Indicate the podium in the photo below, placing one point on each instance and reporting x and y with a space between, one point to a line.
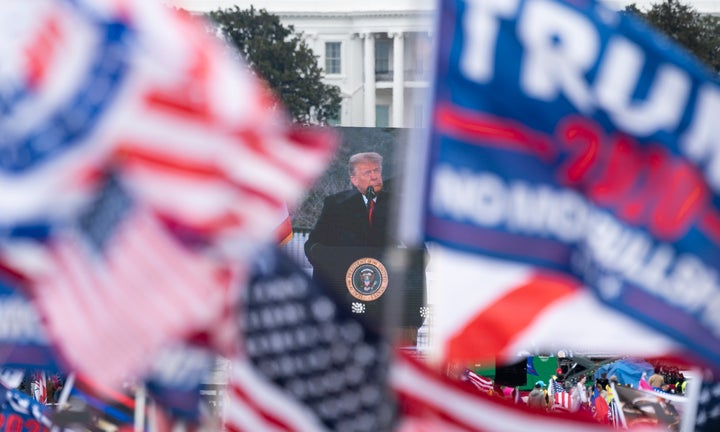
363 279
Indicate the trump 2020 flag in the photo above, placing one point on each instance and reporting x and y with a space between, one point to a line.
571 185
205 162
23 342
19 412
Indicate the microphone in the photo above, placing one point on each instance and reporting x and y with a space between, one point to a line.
370 193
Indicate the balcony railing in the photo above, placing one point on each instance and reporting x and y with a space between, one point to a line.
383 75
410 75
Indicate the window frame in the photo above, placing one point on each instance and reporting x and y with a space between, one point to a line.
333 59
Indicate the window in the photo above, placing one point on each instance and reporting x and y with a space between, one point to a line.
335 121
418 61
382 57
332 58
382 116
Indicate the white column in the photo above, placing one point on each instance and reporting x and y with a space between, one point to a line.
398 96
369 68
312 40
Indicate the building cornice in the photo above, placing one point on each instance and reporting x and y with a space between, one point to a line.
340 8
362 14
308 6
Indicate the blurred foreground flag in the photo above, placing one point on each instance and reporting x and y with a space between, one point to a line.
113 269
19 412
707 417
22 338
203 165
307 363
571 185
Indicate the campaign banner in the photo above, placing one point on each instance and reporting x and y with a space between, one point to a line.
571 138
20 413
642 407
23 341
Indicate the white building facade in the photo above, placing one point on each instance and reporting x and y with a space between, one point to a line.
378 52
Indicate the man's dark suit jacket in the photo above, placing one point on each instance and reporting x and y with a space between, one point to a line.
344 222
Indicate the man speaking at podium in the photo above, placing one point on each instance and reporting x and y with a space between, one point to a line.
356 217
347 249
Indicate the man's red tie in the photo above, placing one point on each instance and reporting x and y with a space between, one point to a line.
371 207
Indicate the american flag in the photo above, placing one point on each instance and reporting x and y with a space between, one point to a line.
561 400
560 397
482 383
307 364
707 417
38 387
556 386
119 286
207 164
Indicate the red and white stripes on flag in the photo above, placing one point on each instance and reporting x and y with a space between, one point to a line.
211 149
208 156
109 312
433 402
561 401
38 387
487 308
482 383
256 404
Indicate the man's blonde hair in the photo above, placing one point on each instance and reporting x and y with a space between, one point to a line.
363 157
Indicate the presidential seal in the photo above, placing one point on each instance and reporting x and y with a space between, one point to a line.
366 279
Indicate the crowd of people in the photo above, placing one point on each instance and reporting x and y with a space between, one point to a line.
579 396
43 388
668 380
594 395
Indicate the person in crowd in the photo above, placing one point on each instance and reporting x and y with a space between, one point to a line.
538 396
657 380
599 403
578 396
681 384
556 384
603 381
600 390
508 393
356 217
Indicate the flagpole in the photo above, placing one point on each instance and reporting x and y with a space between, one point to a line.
65 393
152 416
139 408
695 376
620 412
